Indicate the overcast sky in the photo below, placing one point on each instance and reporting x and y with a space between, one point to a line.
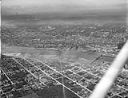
67 9
25 6
100 3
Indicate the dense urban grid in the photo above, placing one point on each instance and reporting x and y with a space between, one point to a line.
35 77
25 76
102 37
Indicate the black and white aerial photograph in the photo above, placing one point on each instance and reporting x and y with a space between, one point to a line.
64 49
